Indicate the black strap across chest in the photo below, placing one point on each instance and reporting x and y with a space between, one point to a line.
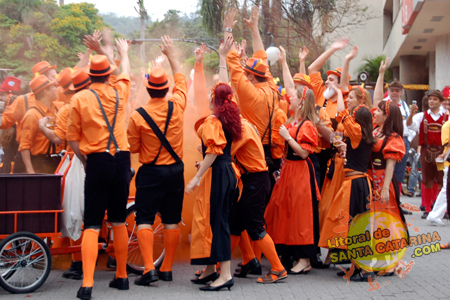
269 126
159 134
290 152
110 128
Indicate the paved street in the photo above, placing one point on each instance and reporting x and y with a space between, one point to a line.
429 278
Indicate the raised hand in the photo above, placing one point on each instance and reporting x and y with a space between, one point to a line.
122 46
167 47
80 55
158 61
340 44
200 53
93 43
384 65
254 18
226 46
229 19
352 53
282 54
303 53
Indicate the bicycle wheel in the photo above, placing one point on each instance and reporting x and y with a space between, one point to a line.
135 261
25 263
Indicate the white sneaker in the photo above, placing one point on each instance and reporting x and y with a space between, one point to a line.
436 223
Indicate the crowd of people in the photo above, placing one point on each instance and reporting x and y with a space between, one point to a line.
278 168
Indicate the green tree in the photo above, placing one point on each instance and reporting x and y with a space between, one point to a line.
372 67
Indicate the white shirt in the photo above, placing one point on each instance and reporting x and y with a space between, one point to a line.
404 110
418 118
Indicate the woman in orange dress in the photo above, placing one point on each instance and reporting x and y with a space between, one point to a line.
291 215
355 193
217 189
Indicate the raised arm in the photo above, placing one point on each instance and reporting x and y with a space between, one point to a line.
225 46
253 24
200 90
229 21
84 60
123 47
93 43
303 53
344 76
320 61
378 93
287 78
169 50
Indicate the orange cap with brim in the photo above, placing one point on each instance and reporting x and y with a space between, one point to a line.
80 79
100 66
337 72
256 66
157 79
65 79
302 79
39 83
41 67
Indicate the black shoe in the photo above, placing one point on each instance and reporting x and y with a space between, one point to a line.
84 293
405 212
75 271
252 266
111 263
227 284
342 273
358 276
210 277
165 276
422 208
425 215
147 278
120 284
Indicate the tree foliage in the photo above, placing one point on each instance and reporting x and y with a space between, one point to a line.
372 67
35 30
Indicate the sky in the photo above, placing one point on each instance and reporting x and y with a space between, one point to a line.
155 8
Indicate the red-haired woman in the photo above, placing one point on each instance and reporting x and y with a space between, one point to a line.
217 186
292 213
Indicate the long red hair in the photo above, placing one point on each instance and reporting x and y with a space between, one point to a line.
226 111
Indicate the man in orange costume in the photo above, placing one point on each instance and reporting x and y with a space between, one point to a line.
96 133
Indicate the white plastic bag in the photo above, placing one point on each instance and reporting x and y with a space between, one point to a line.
73 200
64 165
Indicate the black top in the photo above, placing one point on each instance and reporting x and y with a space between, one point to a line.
377 158
358 159
225 158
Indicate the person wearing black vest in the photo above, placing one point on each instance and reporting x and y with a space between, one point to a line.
155 131
429 125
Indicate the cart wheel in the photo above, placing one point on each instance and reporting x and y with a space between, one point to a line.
25 262
135 262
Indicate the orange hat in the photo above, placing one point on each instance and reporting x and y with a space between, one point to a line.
100 66
302 79
65 79
10 84
80 79
446 92
256 66
39 83
337 72
41 67
157 79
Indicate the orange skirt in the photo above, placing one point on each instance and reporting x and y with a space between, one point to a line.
330 188
289 214
344 207
392 206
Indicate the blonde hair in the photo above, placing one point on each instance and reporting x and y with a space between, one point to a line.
308 109
359 96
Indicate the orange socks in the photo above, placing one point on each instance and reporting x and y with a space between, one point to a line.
246 248
89 253
121 250
145 239
234 241
268 248
256 250
171 239
77 255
